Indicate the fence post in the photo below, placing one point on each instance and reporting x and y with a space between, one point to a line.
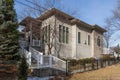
97 64
108 62
50 61
92 65
101 63
114 60
29 58
84 64
67 65
37 61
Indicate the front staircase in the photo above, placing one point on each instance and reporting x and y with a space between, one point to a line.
45 64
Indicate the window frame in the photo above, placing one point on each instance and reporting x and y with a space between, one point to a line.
60 33
79 37
98 41
89 40
63 34
67 35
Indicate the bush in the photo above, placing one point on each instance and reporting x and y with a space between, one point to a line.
105 57
23 68
74 62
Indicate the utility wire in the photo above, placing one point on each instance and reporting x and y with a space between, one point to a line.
28 5
37 5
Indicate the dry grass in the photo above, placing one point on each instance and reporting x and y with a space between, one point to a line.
107 73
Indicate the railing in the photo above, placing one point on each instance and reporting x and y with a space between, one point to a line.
22 43
37 60
36 42
58 63
34 51
27 56
49 61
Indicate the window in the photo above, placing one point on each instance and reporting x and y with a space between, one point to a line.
45 37
79 36
63 34
67 35
88 39
98 41
48 34
60 32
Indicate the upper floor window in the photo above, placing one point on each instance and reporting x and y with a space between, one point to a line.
63 34
67 35
46 34
79 37
98 41
60 35
88 39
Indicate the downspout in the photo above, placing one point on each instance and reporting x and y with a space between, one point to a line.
55 37
76 41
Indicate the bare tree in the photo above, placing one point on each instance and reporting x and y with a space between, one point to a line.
50 35
109 33
36 10
112 24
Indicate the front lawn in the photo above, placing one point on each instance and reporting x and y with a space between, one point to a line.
107 73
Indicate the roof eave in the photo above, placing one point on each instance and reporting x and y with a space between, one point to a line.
99 28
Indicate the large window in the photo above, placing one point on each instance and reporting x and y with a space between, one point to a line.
98 41
79 37
63 34
60 33
88 39
46 34
67 35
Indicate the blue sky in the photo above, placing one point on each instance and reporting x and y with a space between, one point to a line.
92 11
89 11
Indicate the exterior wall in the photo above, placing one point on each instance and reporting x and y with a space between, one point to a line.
65 48
98 50
49 21
74 41
83 49
72 49
62 49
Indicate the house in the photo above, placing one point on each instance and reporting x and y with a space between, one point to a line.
62 35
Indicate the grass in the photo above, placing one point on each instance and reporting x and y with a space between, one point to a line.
107 73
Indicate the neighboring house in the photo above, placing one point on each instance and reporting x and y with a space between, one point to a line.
64 36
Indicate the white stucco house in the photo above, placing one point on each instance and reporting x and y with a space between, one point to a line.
60 34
